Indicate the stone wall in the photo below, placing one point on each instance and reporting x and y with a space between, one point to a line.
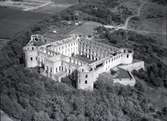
59 58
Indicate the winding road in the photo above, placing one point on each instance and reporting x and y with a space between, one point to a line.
136 15
125 26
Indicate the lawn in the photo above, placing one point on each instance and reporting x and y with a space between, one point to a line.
13 21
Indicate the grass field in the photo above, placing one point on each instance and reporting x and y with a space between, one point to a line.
57 6
41 6
65 1
52 8
25 4
152 18
13 21
152 22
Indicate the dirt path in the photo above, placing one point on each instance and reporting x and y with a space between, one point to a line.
37 7
125 26
136 15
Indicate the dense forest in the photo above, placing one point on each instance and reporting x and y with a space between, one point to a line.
162 2
99 11
28 96
151 49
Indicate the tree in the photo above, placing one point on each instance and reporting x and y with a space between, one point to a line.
71 117
41 116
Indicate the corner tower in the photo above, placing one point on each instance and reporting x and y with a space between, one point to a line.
31 54
127 56
86 78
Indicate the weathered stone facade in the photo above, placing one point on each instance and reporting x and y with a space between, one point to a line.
81 57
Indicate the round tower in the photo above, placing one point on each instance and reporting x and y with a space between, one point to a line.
127 56
30 56
86 78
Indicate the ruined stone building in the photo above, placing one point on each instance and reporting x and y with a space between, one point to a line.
81 57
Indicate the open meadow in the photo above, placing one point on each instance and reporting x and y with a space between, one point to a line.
52 9
152 22
56 6
23 15
41 6
13 21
